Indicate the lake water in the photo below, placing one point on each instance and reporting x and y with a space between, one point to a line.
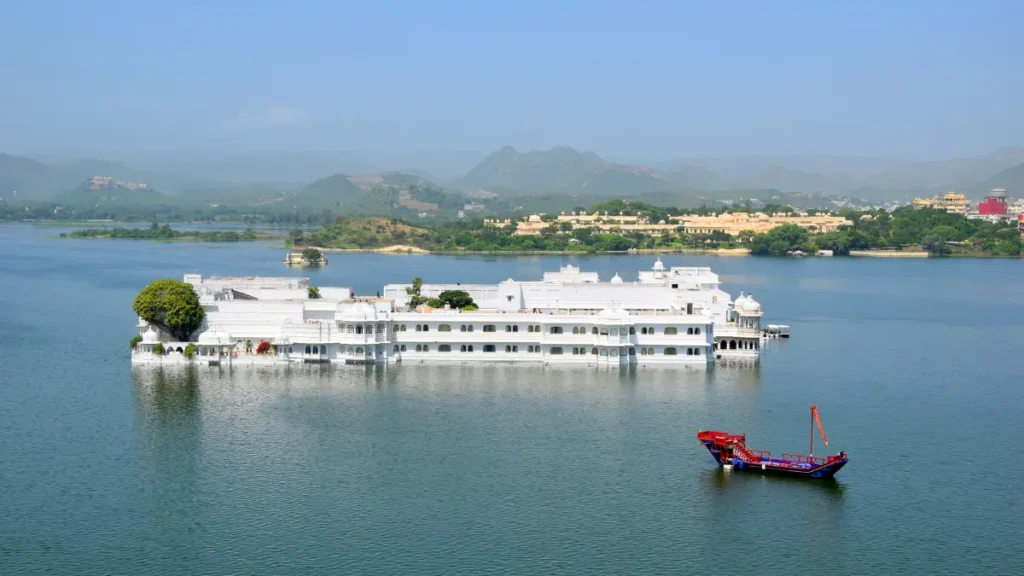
916 366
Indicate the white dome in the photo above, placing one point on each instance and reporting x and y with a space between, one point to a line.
751 305
214 338
658 265
616 279
150 336
740 302
613 313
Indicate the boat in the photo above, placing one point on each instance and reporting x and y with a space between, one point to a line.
731 453
777 331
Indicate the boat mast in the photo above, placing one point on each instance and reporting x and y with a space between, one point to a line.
811 453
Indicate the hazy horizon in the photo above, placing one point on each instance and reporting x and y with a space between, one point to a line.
645 82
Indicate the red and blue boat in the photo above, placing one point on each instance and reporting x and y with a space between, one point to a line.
731 452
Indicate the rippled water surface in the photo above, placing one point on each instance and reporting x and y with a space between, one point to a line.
915 365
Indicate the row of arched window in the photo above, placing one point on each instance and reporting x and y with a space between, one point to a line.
738 345
669 330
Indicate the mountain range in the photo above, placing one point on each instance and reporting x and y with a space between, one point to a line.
508 172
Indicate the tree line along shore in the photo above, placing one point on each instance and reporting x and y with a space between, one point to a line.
904 231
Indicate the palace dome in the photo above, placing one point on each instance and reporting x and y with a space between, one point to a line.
658 266
150 336
616 279
751 305
741 300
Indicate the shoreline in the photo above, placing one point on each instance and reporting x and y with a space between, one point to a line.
413 250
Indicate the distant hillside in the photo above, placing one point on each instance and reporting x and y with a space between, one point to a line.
563 170
327 192
24 179
1012 179
84 168
88 193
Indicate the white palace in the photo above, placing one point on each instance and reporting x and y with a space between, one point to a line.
678 316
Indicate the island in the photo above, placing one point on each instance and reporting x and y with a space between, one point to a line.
166 233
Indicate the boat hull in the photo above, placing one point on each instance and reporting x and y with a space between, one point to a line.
823 471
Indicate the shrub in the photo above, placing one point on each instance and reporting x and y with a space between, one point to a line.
313 292
190 351
158 348
263 347
134 342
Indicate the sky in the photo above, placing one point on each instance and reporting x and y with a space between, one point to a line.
650 80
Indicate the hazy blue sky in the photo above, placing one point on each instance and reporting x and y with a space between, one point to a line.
655 79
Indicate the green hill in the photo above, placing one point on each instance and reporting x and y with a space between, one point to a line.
112 195
26 180
560 170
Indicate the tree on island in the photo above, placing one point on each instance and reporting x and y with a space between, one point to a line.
312 256
171 305
313 292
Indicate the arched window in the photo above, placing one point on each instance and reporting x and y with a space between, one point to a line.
508 328
316 350
419 327
671 330
403 327
444 328
529 349
689 351
689 330
308 350
508 348
575 330
489 348
463 348
359 350
555 350
444 348
650 351
593 330
529 328
732 344
632 351
556 329
396 349
696 330
489 328
426 347
670 351
643 330
419 348
515 348
575 351
604 352
593 351
426 328
359 328
632 330
515 328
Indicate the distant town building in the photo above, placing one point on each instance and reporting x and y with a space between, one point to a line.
473 207
729 223
950 202
100 182
994 204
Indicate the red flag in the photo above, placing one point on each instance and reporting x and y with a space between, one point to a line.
814 410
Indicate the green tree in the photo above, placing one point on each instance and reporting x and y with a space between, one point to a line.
456 299
415 298
158 349
171 305
935 245
312 292
312 255
190 350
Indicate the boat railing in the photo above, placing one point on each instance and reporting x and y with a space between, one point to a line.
803 458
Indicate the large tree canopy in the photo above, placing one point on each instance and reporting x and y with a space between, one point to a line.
171 305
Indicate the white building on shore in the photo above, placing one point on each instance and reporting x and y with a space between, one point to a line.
668 317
